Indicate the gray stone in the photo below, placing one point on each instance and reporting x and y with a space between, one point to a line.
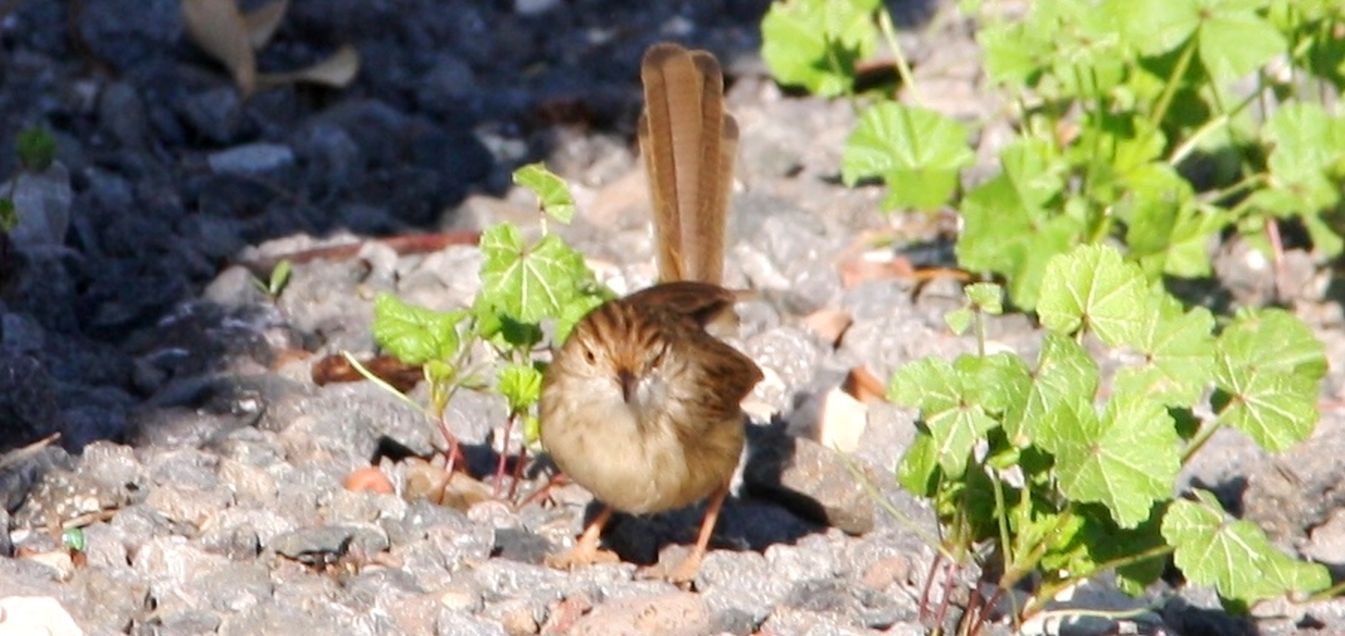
139 525
797 621
189 506
109 598
808 478
671 613
6 544
251 159
105 546
171 560
43 203
129 43
240 532
740 583
21 471
184 467
317 545
188 623
121 112
330 157
347 421
215 113
451 622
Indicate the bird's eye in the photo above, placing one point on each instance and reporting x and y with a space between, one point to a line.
588 355
658 357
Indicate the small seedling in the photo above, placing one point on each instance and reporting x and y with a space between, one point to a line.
279 278
525 284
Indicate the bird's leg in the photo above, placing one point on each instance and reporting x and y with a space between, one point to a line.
586 550
686 571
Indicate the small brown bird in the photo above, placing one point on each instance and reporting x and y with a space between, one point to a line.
641 404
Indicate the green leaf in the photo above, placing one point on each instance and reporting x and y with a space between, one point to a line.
959 319
1098 541
521 386
280 276
1234 555
73 539
815 43
989 297
1004 232
1126 460
1167 231
532 430
1065 375
529 283
1277 410
1232 39
917 151
1235 42
1270 365
9 215
955 402
1156 26
1013 52
1091 288
1305 141
1178 350
36 148
415 335
553 194
918 470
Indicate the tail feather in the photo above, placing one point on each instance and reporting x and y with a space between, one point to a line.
688 141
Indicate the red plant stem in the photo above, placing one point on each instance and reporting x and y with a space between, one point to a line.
929 582
555 480
504 453
518 472
454 451
947 600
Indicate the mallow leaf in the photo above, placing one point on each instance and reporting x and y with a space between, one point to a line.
529 282
1234 556
553 194
1178 349
958 402
815 43
917 151
1092 288
415 335
1269 365
1065 374
1126 460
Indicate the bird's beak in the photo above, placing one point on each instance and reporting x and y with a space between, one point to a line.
628 382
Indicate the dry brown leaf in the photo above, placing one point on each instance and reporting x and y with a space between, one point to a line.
864 386
263 21
337 71
218 27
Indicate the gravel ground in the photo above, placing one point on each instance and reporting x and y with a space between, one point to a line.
206 467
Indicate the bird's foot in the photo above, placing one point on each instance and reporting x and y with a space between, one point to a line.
581 555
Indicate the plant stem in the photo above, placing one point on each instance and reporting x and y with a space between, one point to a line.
1186 147
1328 593
1227 192
903 69
1049 590
1170 88
1207 430
979 317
